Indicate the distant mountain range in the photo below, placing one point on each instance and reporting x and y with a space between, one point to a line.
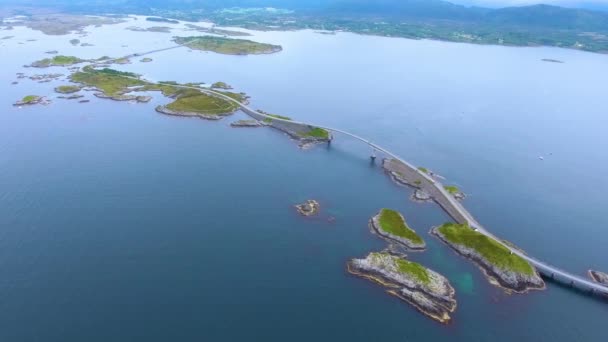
553 17
434 19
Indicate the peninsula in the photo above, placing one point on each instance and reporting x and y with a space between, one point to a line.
498 263
391 225
428 291
227 46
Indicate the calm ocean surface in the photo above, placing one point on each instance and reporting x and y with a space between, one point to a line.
121 224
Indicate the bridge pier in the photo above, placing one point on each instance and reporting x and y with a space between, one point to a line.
373 156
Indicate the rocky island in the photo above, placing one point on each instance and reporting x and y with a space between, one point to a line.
57 61
391 225
227 46
599 277
67 89
308 208
501 267
428 291
30 100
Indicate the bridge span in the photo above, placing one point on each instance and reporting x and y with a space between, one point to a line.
443 198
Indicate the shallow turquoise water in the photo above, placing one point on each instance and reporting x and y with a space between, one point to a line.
119 224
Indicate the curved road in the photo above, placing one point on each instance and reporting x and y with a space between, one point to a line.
544 268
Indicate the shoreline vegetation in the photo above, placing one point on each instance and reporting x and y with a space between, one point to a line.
501 267
391 225
428 291
227 46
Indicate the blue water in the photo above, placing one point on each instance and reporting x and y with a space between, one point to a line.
120 224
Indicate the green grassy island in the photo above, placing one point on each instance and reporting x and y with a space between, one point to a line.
57 61
227 46
67 89
391 225
110 82
202 104
30 100
502 267
490 249
116 85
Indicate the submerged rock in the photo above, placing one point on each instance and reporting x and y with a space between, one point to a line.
308 208
428 291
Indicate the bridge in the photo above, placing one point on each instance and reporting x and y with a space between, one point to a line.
442 197
543 268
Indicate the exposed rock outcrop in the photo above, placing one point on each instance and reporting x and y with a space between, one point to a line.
428 291
599 277
308 208
167 111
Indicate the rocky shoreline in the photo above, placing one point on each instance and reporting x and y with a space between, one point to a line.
374 224
599 277
421 196
246 123
433 296
140 99
167 111
32 100
508 280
